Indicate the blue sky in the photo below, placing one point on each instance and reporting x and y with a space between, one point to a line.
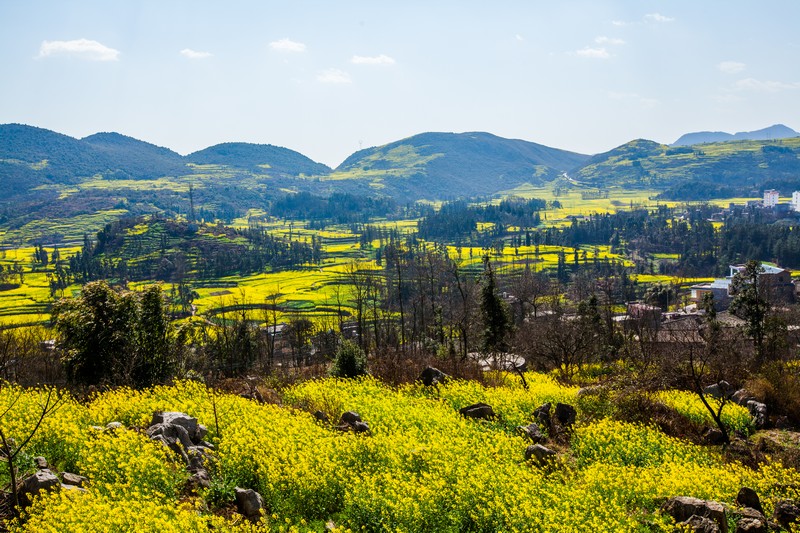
326 77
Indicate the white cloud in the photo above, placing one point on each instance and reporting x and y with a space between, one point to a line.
752 84
731 67
519 37
643 101
657 17
372 60
82 48
619 23
608 40
334 75
594 53
194 54
287 45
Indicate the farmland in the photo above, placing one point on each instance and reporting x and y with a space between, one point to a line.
421 467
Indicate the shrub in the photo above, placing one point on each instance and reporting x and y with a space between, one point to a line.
350 361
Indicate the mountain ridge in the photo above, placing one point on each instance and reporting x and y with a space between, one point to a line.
776 131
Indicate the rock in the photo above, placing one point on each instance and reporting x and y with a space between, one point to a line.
321 417
65 486
172 433
41 463
721 389
350 418
786 512
199 479
542 454
681 508
249 503
360 427
751 525
782 422
199 457
700 524
747 497
34 484
199 433
432 376
714 436
189 423
73 479
533 432
565 414
478 411
742 396
111 426
759 413
542 414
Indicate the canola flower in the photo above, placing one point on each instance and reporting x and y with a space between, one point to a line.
422 467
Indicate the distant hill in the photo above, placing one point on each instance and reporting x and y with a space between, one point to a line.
258 158
134 158
777 131
449 165
697 172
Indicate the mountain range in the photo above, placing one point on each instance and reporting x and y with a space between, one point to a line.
45 174
776 131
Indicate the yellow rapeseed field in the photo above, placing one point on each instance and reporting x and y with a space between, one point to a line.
422 466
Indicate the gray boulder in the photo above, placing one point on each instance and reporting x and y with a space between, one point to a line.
681 508
751 525
747 497
721 389
360 427
321 417
742 396
350 418
249 503
189 423
73 479
432 376
541 454
565 414
41 463
478 411
786 513
111 426
36 483
759 413
542 414
700 524
533 432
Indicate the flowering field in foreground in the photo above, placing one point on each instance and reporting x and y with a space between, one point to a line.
422 467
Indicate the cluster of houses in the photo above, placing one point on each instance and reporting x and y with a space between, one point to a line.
771 201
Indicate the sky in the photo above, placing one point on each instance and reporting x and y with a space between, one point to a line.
326 77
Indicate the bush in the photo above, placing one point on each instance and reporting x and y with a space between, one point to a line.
350 361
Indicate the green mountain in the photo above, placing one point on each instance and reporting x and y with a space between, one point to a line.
714 170
450 165
127 157
258 158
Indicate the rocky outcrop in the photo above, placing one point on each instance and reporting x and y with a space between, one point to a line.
183 435
541 454
533 432
249 503
478 411
432 376
786 513
682 508
351 421
759 413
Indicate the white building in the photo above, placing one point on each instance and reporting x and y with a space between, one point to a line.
796 201
770 198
